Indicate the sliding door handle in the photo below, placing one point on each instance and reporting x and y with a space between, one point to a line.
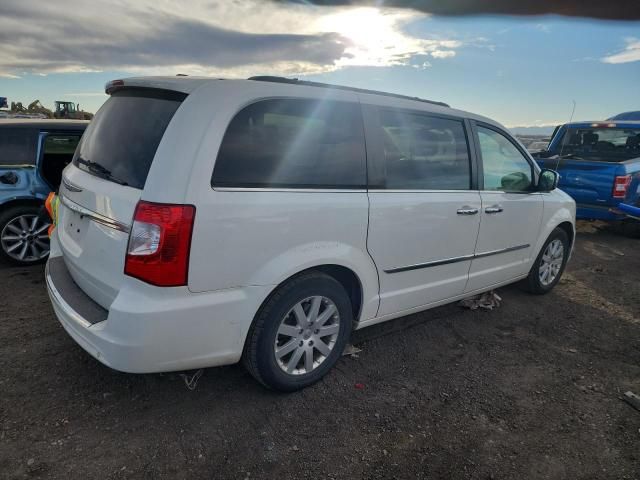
467 211
493 209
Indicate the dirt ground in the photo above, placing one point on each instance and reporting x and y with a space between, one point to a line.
531 390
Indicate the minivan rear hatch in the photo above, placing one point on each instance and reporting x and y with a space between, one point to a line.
101 188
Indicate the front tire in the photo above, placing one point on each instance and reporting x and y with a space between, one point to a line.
549 266
23 235
299 333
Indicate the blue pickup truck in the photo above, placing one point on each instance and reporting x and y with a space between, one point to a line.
599 166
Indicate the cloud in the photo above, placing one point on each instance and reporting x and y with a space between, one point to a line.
620 10
443 53
52 44
239 38
631 53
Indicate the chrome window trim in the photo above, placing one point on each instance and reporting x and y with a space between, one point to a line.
96 217
289 190
463 258
401 190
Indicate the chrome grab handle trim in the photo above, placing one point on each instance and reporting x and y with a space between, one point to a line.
494 209
467 211
96 217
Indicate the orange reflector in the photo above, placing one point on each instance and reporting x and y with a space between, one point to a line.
51 205
47 204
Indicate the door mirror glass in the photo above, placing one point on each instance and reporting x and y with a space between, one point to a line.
548 180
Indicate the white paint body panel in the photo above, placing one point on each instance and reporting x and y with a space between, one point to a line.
246 242
94 253
412 228
516 226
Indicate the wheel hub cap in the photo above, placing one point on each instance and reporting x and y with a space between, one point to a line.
551 262
306 335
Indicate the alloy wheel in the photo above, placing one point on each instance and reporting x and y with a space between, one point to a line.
551 262
25 238
306 335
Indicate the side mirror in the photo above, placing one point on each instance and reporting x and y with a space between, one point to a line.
548 180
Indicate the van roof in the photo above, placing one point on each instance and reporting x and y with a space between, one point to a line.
295 81
187 84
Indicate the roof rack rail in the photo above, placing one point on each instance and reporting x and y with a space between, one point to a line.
295 81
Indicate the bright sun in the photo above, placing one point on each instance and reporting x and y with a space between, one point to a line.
375 36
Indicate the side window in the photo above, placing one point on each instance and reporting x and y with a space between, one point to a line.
291 143
18 146
505 168
422 152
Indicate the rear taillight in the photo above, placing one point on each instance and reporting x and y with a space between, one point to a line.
620 186
159 243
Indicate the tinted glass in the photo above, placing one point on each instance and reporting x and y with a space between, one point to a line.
423 152
293 144
602 144
57 152
505 168
124 135
18 146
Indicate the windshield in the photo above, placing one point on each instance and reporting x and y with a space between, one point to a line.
123 137
602 144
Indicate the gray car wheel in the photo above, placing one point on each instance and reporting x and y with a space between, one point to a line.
24 238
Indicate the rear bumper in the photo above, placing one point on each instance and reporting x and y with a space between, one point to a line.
629 211
151 329
597 212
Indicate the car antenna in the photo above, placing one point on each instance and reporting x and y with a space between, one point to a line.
573 110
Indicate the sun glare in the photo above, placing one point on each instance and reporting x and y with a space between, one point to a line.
374 36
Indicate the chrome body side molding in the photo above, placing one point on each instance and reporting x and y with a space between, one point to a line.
463 258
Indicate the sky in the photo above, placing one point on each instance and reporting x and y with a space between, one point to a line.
520 71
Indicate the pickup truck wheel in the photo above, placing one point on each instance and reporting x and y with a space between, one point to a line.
300 333
549 266
23 235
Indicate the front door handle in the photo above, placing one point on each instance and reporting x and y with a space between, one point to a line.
493 209
467 211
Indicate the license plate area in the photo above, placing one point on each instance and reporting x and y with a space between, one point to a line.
75 225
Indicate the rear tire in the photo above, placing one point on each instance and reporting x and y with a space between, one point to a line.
546 271
299 333
23 235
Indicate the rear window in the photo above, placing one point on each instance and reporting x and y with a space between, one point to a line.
602 144
292 143
123 137
18 146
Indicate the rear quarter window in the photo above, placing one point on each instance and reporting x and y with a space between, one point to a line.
18 146
125 133
293 143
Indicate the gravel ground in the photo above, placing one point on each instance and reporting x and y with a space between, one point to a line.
531 390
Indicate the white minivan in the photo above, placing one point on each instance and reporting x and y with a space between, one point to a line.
206 221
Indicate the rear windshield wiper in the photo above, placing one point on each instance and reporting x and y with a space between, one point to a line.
100 171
